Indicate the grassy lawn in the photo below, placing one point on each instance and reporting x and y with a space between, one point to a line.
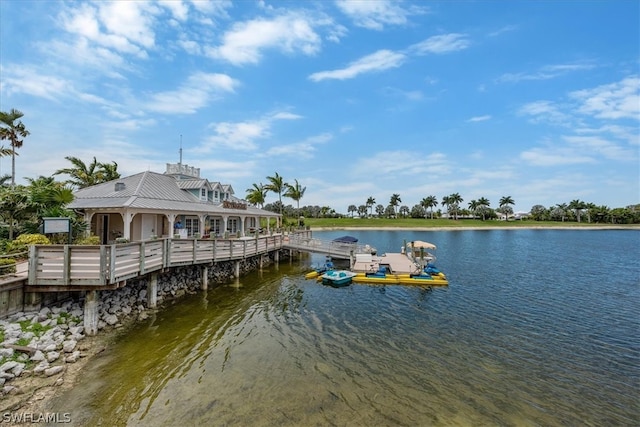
436 223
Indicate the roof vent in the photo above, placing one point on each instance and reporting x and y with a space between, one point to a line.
119 186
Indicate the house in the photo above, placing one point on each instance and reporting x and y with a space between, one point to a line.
178 201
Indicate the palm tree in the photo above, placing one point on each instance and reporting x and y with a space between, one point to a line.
82 175
484 204
429 203
295 192
12 129
276 185
473 207
351 209
395 201
108 171
454 201
257 195
4 152
505 206
370 202
577 206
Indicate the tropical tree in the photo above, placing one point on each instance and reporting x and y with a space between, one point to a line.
483 205
4 152
256 195
109 171
14 206
505 206
362 210
577 206
13 130
395 201
276 185
351 209
295 192
538 212
429 202
473 207
404 211
85 175
370 202
452 202
379 210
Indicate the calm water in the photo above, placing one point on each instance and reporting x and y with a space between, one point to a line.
536 328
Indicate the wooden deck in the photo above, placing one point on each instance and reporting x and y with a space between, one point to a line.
396 263
84 267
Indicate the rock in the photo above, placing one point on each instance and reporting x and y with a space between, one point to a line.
54 370
73 357
6 353
59 382
111 319
7 366
52 356
17 371
69 346
41 367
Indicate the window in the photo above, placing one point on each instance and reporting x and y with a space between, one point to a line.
192 225
203 194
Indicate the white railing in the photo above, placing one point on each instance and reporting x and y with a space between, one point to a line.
103 265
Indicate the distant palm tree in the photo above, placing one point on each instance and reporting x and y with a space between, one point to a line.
13 130
256 195
577 206
484 204
453 203
429 202
395 201
276 185
473 207
295 192
505 205
370 202
351 209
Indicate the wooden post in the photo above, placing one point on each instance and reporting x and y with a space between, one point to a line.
205 278
152 291
91 312
237 269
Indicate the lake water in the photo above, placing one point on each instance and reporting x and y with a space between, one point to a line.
536 328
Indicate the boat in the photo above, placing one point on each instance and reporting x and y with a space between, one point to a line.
328 265
337 278
412 266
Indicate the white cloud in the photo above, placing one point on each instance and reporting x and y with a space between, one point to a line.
620 100
555 156
540 111
374 15
443 43
378 61
244 43
480 118
195 93
545 73
301 150
27 80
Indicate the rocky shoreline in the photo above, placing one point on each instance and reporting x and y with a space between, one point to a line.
42 352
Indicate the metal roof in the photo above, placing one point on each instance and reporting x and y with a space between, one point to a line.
152 191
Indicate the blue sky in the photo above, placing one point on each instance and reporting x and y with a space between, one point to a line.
537 100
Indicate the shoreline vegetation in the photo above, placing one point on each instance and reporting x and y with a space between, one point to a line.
452 225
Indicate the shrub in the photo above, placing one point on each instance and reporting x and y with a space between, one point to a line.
91 240
7 266
23 241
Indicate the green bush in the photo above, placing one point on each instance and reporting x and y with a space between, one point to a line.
7 266
91 240
23 241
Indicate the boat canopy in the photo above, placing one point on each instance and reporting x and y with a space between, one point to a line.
345 239
418 244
